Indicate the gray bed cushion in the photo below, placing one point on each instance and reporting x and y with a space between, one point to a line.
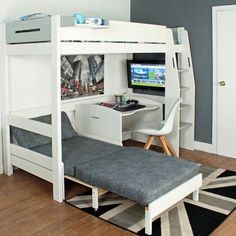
29 139
78 150
137 174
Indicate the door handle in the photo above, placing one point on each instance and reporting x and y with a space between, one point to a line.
222 83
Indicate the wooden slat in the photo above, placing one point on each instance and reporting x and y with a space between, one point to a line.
101 191
28 49
31 156
32 168
30 125
67 105
76 180
33 112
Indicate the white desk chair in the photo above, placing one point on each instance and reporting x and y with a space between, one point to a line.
165 128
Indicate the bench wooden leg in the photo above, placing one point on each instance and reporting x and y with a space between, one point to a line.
196 195
95 198
148 221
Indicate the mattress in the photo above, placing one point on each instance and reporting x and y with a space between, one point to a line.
137 174
78 150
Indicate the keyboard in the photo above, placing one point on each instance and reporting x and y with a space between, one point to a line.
128 107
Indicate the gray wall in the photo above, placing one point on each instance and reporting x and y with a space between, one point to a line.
196 17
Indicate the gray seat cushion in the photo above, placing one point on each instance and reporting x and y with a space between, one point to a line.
137 174
29 139
78 150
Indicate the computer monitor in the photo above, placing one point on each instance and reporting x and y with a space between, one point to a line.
146 75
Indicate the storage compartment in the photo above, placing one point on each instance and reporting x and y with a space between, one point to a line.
35 30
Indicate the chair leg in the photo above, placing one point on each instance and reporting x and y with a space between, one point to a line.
164 145
172 150
149 142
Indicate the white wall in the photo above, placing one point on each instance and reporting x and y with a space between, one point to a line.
110 9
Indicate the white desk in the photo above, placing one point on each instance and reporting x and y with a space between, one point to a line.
107 124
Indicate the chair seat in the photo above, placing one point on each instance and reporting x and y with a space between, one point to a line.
161 133
154 132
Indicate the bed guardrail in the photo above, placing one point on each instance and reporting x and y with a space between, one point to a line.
30 125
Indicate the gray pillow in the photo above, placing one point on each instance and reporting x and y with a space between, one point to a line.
29 139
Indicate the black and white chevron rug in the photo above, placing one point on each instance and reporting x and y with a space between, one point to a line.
188 217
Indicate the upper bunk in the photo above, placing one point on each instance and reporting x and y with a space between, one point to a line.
40 36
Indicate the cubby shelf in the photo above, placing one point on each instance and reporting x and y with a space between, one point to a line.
184 125
184 106
180 70
183 88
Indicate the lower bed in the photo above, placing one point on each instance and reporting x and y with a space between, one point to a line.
128 171
152 179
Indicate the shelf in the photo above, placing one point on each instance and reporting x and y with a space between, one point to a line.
184 125
183 88
180 70
184 106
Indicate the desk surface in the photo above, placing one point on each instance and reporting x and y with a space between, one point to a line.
106 124
146 108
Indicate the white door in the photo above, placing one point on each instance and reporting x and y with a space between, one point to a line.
224 46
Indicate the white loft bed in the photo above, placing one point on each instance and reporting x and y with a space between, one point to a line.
119 37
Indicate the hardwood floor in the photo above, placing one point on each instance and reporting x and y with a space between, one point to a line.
197 156
27 208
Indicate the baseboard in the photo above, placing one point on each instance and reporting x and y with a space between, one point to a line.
205 147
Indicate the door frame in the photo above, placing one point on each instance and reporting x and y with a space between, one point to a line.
215 10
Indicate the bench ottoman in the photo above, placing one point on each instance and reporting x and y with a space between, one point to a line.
152 179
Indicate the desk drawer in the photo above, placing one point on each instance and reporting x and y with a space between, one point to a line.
99 122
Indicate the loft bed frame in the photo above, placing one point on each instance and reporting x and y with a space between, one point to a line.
119 37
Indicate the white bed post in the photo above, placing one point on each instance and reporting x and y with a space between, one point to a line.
58 170
95 198
196 195
148 221
8 168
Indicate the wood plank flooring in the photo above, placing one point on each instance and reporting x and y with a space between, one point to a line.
27 208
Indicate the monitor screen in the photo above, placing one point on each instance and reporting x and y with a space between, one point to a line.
146 75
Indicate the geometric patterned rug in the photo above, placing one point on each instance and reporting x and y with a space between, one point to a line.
188 217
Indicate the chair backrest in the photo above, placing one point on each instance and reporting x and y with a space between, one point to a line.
169 121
